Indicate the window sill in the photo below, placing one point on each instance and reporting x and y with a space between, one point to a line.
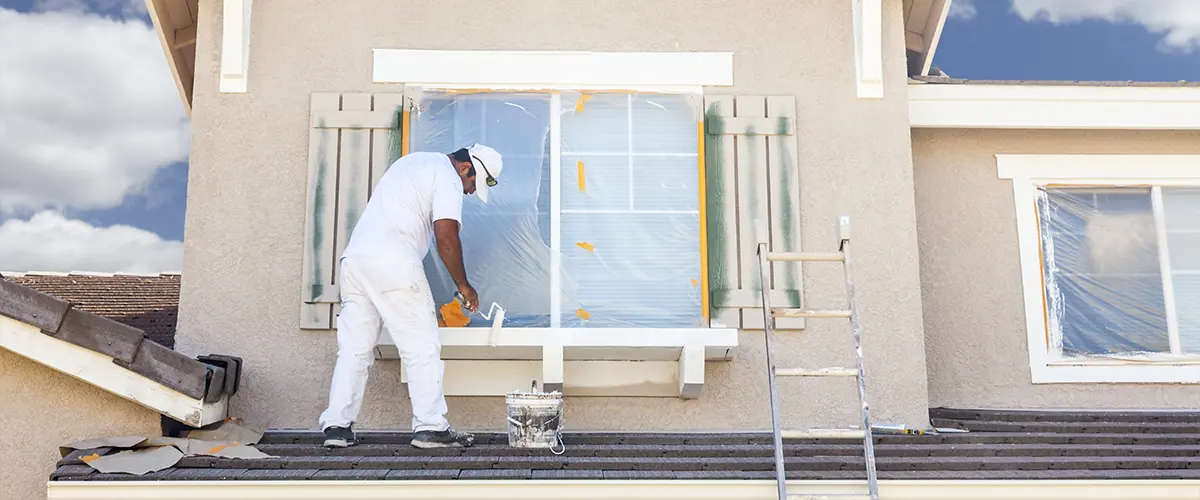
578 361
1183 370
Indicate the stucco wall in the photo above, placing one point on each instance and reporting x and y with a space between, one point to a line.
246 199
975 337
41 409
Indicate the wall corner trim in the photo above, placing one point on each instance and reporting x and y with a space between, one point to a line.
235 46
868 48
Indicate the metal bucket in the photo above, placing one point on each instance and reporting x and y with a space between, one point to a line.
535 420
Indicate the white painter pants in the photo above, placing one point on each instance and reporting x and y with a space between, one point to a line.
375 291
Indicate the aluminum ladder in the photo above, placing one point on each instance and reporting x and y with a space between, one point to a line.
765 255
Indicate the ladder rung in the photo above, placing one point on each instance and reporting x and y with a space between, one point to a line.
823 433
819 372
810 313
806 256
828 496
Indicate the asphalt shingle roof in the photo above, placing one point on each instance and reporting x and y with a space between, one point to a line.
147 302
938 79
999 445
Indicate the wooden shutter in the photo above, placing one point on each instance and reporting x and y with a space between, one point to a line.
751 172
353 138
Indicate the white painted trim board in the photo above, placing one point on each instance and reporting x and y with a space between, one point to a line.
99 370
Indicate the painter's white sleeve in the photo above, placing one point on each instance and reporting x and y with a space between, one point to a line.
447 197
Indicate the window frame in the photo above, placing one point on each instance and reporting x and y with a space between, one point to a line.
588 361
1027 172
556 210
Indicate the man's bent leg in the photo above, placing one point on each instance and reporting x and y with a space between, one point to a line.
407 310
357 333
408 314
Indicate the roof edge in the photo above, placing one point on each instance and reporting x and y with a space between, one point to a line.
19 274
655 489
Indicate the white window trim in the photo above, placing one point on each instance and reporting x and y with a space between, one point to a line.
1028 171
532 70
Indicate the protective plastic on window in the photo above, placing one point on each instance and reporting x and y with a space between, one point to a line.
1104 274
625 209
1181 213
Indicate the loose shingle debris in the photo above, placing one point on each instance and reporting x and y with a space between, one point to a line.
142 455
988 444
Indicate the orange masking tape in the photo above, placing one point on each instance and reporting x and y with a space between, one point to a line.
579 173
579 104
586 246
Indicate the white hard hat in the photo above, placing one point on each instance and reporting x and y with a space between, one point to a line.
488 164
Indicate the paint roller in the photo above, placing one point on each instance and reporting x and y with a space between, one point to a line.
495 314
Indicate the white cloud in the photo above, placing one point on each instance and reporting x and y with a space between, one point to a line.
1178 21
125 7
962 9
90 110
50 242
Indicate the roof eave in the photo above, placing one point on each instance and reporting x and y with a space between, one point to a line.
923 24
177 43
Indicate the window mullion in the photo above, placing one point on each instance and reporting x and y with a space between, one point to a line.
629 137
555 210
1164 262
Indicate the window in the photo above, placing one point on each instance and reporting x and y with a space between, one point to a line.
595 220
1111 259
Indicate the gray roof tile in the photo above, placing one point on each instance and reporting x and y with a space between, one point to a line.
1083 83
496 474
423 474
1027 445
352 474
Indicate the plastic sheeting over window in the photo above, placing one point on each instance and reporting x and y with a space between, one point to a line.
1106 282
622 207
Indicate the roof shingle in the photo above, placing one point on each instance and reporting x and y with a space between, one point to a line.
147 302
1056 445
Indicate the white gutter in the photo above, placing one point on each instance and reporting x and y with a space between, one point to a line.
1104 489
1053 107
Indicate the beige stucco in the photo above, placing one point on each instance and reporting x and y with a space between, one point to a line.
246 197
41 409
975 337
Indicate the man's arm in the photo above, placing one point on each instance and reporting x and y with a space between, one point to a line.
450 249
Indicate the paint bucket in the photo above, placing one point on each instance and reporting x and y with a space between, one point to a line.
535 419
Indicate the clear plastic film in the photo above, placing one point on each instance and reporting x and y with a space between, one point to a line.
1104 273
622 207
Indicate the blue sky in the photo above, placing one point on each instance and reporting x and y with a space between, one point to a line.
111 194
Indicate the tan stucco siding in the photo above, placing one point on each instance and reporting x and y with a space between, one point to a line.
975 337
41 409
246 204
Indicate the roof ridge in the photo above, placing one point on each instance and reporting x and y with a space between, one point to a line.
18 274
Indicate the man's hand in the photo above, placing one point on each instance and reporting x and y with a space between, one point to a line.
470 297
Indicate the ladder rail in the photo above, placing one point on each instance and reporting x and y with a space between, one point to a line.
765 257
868 438
768 335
